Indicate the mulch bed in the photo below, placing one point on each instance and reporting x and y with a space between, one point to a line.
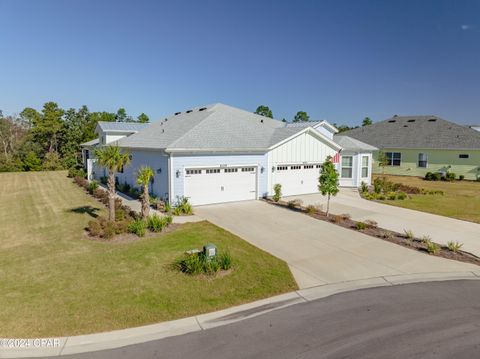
381 233
130 237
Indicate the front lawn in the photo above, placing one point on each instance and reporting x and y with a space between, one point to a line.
57 282
461 199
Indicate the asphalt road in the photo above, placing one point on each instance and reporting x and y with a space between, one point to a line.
424 320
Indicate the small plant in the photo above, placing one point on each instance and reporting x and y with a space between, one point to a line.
386 235
425 239
277 192
377 185
450 176
363 187
167 207
391 196
95 228
311 209
197 263
454 246
294 203
360 226
408 234
401 195
104 180
225 261
182 207
155 223
428 176
436 176
138 227
370 223
381 197
92 186
345 216
432 247
461 177
191 264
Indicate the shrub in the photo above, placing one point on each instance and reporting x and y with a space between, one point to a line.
391 196
134 192
92 186
191 264
381 197
95 228
425 239
123 187
138 227
432 247
311 209
408 233
155 223
211 266
167 208
450 176
109 230
335 218
294 203
82 182
104 180
436 176
461 177
401 195
454 246
76 172
386 235
360 226
182 207
370 223
363 187
377 185
277 189
119 214
225 260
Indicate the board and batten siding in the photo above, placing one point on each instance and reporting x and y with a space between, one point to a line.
157 160
303 148
181 162
438 161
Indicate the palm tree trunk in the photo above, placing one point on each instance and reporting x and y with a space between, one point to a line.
111 196
145 202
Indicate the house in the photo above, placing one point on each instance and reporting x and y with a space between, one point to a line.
218 153
415 145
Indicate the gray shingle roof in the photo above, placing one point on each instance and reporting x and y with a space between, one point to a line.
417 132
352 144
121 126
216 127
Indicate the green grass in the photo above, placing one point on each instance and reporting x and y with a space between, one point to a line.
56 282
461 199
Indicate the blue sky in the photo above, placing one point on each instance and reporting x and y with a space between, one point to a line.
337 60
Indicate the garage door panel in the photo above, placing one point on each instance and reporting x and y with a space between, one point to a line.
297 179
208 185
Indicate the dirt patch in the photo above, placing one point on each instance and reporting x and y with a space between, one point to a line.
371 229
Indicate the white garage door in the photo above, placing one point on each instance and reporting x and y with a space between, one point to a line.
297 179
217 185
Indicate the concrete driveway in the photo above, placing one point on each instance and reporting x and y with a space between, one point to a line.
441 229
318 252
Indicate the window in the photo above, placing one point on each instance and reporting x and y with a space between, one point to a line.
347 166
393 158
463 155
295 167
248 169
364 166
422 160
318 166
282 168
231 170
194 172
213 170
307 166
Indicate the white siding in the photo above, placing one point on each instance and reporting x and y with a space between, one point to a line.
356 179
181 162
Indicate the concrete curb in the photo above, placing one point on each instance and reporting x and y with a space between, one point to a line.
124 337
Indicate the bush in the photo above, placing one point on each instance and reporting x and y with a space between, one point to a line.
138 227
428 176
450 176
437 177
133 193
461 177
277 189
377 185
401 195
104 180
109 230
391 196
425 239
363 187
294 203
360 226
454 246
167 208
92 186
408 233
95 228
225 260
197 263
81 181
119 214
182 207
155 223
432 247
380 197
123 187
191 264
311 209
76 172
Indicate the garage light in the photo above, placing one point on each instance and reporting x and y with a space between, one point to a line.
273 168
178 173
262 169
159 170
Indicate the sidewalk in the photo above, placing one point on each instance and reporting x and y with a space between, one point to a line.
121 338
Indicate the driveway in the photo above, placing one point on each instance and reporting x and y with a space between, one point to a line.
318 252
441 229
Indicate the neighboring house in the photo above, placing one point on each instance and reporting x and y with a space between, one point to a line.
475 127
415 145
218 153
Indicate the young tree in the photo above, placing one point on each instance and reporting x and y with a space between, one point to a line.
366 121
301 116
328 181
264 111
382 161
143 118
144 176
114 160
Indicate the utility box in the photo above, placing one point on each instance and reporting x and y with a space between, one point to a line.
210 250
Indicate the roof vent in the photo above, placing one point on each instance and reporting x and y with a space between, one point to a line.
163 130
392 121
432 120
189 111
405 125
202 109
177 113
411 121
261 120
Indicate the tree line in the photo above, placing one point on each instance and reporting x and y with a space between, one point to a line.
302 116
50 139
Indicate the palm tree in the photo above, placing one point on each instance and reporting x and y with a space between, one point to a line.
144 176
114 159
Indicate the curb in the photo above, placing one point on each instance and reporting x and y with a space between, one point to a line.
124 337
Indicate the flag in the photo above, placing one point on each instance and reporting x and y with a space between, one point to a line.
336 158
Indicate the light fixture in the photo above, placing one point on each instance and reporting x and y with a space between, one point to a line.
262 169
178 173
273 168
159 170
